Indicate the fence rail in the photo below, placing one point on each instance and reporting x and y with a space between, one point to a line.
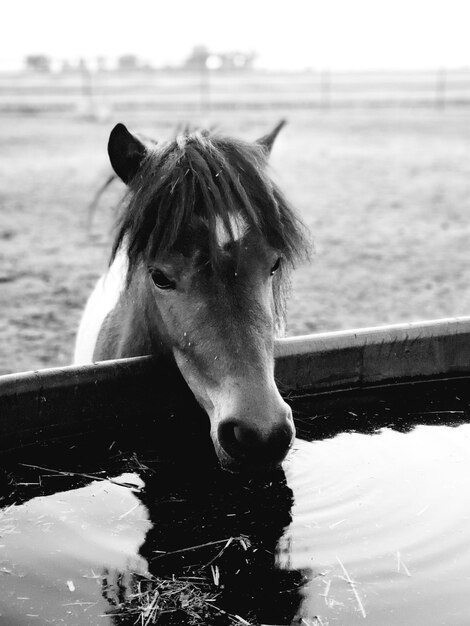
96 92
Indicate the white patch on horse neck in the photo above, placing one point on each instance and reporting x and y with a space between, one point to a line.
238 225
102 301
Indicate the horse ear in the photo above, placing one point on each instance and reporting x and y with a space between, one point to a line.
267 141
126 152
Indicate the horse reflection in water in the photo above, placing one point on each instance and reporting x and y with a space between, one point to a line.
198 277
206 508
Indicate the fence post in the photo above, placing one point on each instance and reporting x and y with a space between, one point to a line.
205 86
87 89
441 88
325 89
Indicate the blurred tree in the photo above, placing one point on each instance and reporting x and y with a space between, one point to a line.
128 62
197 60
38 63
200 58
237 60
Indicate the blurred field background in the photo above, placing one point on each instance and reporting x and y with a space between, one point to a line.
377 164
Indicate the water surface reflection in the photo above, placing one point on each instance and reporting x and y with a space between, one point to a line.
369 519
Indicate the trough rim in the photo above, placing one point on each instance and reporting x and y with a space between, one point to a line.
60 403
316 361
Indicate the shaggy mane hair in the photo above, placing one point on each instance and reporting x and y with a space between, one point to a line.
202 177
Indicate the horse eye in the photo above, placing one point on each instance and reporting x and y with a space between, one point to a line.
161 281
275 267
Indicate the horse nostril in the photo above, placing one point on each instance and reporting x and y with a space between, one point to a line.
243 442
246 437
231 437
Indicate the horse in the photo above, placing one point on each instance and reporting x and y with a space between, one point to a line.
198 276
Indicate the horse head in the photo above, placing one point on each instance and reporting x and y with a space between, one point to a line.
210 240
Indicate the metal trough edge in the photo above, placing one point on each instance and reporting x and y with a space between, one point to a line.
373 355
62 399
359 356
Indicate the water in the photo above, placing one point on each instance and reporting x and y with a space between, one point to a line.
369 526
56 551
394 514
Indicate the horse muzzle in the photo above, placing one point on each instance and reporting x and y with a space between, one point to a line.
242 446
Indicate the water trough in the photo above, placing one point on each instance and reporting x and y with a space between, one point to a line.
355 527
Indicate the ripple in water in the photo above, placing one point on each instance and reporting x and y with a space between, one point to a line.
382 523
357 528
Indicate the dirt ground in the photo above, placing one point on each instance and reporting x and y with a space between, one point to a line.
385 193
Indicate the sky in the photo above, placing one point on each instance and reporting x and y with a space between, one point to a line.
287 34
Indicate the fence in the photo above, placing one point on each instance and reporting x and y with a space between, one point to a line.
107 91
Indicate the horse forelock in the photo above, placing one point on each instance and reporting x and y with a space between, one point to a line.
205 191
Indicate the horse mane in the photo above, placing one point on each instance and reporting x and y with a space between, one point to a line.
201 176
